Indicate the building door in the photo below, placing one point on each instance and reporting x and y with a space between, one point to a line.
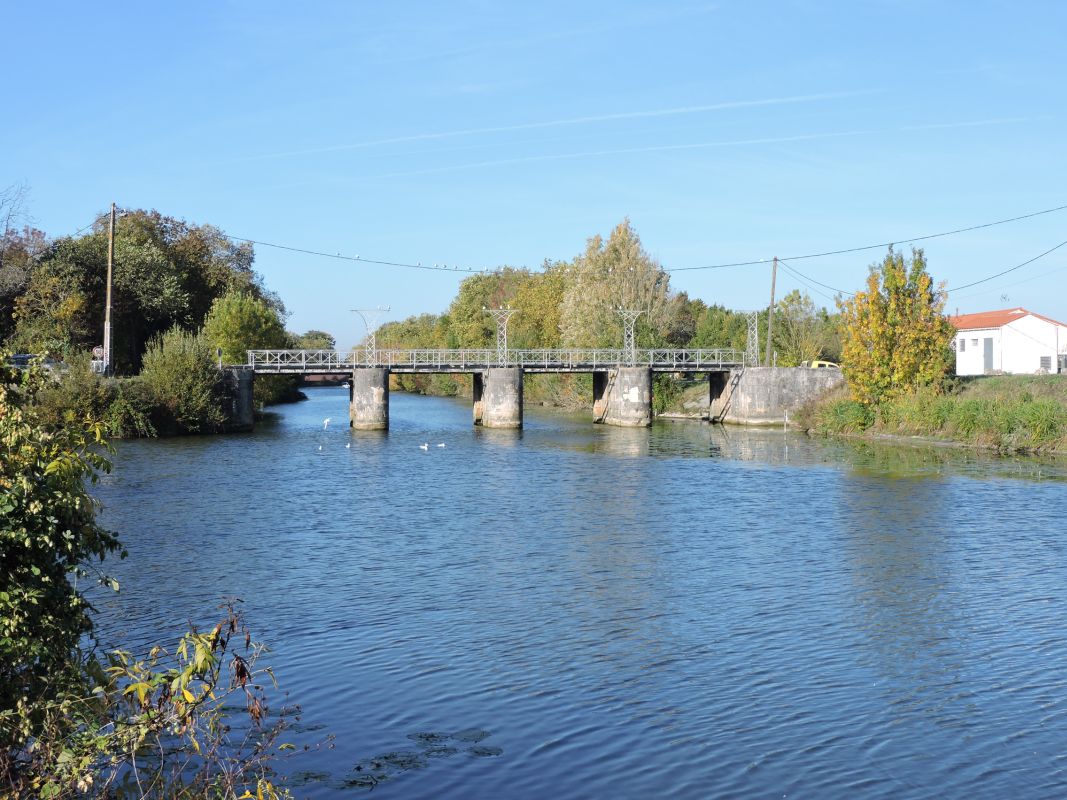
987 355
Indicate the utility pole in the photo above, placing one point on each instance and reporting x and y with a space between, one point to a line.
770 311
107 306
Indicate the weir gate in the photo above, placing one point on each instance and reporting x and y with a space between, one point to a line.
622 379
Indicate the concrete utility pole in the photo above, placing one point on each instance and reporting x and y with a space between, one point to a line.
501 316
770 312
629 345
107 306
370 317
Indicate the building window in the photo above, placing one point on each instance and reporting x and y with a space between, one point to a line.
1046 363
974 342
963 344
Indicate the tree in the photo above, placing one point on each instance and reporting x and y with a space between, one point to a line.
894 335
313 340
166 272
240 321
614 274
799 330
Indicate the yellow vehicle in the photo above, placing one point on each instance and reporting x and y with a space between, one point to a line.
819 365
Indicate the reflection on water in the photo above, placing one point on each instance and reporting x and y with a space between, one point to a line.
686 611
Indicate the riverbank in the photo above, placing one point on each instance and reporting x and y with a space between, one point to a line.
1005 413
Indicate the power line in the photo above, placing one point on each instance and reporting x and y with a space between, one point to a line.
1040 275
877 246
359 259
804 283
1009 269
800 274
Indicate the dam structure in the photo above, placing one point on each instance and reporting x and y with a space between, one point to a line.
622 378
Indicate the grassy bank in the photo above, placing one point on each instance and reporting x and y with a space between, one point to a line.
1010 413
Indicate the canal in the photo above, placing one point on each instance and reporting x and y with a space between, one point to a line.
582 611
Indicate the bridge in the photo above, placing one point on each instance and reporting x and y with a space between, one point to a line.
622 378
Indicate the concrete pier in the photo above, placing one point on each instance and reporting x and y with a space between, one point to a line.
498 397
239 407
623 397
368 407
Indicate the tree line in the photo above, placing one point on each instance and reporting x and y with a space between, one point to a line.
574 304
180 292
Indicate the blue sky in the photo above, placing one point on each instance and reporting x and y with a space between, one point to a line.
480 134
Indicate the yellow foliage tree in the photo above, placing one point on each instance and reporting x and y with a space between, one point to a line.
894 335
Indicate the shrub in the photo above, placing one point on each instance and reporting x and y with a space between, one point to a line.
73 392
130 413
49 531
180 371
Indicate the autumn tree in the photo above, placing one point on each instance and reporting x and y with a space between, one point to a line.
613 274
894 334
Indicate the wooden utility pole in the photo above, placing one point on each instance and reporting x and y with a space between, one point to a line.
107 306
770 311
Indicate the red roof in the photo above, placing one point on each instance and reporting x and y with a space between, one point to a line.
994 319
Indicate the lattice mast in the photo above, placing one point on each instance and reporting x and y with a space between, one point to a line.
501 317
629 342
371 320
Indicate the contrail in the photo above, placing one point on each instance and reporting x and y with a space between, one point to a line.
555 123
703 145
664 148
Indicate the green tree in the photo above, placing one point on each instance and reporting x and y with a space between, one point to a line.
538 298
800 332
240 321
894 334
166 272
313 340
181 372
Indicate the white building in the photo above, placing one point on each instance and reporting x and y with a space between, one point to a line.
1014 341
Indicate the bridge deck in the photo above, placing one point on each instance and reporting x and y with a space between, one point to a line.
309 362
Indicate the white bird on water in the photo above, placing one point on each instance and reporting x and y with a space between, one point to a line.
325 423
348 446
320 447
424 446
440 444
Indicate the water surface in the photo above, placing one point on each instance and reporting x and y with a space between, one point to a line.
584 611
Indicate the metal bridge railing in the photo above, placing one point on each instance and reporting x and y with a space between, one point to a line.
547 360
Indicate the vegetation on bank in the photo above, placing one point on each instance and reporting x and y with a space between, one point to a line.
180 292
1010 413
896 359
76 722
573 304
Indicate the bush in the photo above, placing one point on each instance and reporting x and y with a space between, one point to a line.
49 531
71 726
180 371
73 392
131 411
